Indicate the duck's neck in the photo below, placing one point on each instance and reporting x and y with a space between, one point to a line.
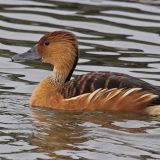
62 74
58 76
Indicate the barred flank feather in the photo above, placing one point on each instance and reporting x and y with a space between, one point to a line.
107 80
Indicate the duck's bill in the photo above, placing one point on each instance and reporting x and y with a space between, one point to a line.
31 54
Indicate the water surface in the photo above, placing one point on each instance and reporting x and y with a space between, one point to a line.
119 36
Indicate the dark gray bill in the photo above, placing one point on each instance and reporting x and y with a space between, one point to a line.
31 54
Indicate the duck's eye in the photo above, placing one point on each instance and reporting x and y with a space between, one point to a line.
46 43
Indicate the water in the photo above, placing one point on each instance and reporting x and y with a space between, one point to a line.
120 36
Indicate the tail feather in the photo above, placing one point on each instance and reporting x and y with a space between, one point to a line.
153 110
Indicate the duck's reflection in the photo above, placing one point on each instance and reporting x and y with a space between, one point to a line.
61 131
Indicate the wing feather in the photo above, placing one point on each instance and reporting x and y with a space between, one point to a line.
107 80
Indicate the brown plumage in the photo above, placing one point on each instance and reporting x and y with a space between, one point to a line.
94 80
95 91
119 100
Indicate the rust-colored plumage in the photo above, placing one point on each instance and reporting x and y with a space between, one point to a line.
95 91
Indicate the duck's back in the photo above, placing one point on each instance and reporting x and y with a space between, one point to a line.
92 81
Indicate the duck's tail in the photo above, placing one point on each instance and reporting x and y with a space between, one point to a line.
153 110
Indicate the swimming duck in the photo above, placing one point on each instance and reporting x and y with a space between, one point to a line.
95 91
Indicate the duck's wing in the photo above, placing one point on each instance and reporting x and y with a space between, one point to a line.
120 100
90 82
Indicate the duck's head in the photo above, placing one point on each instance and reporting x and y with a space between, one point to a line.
59 48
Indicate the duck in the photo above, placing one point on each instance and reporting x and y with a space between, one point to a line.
91 92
